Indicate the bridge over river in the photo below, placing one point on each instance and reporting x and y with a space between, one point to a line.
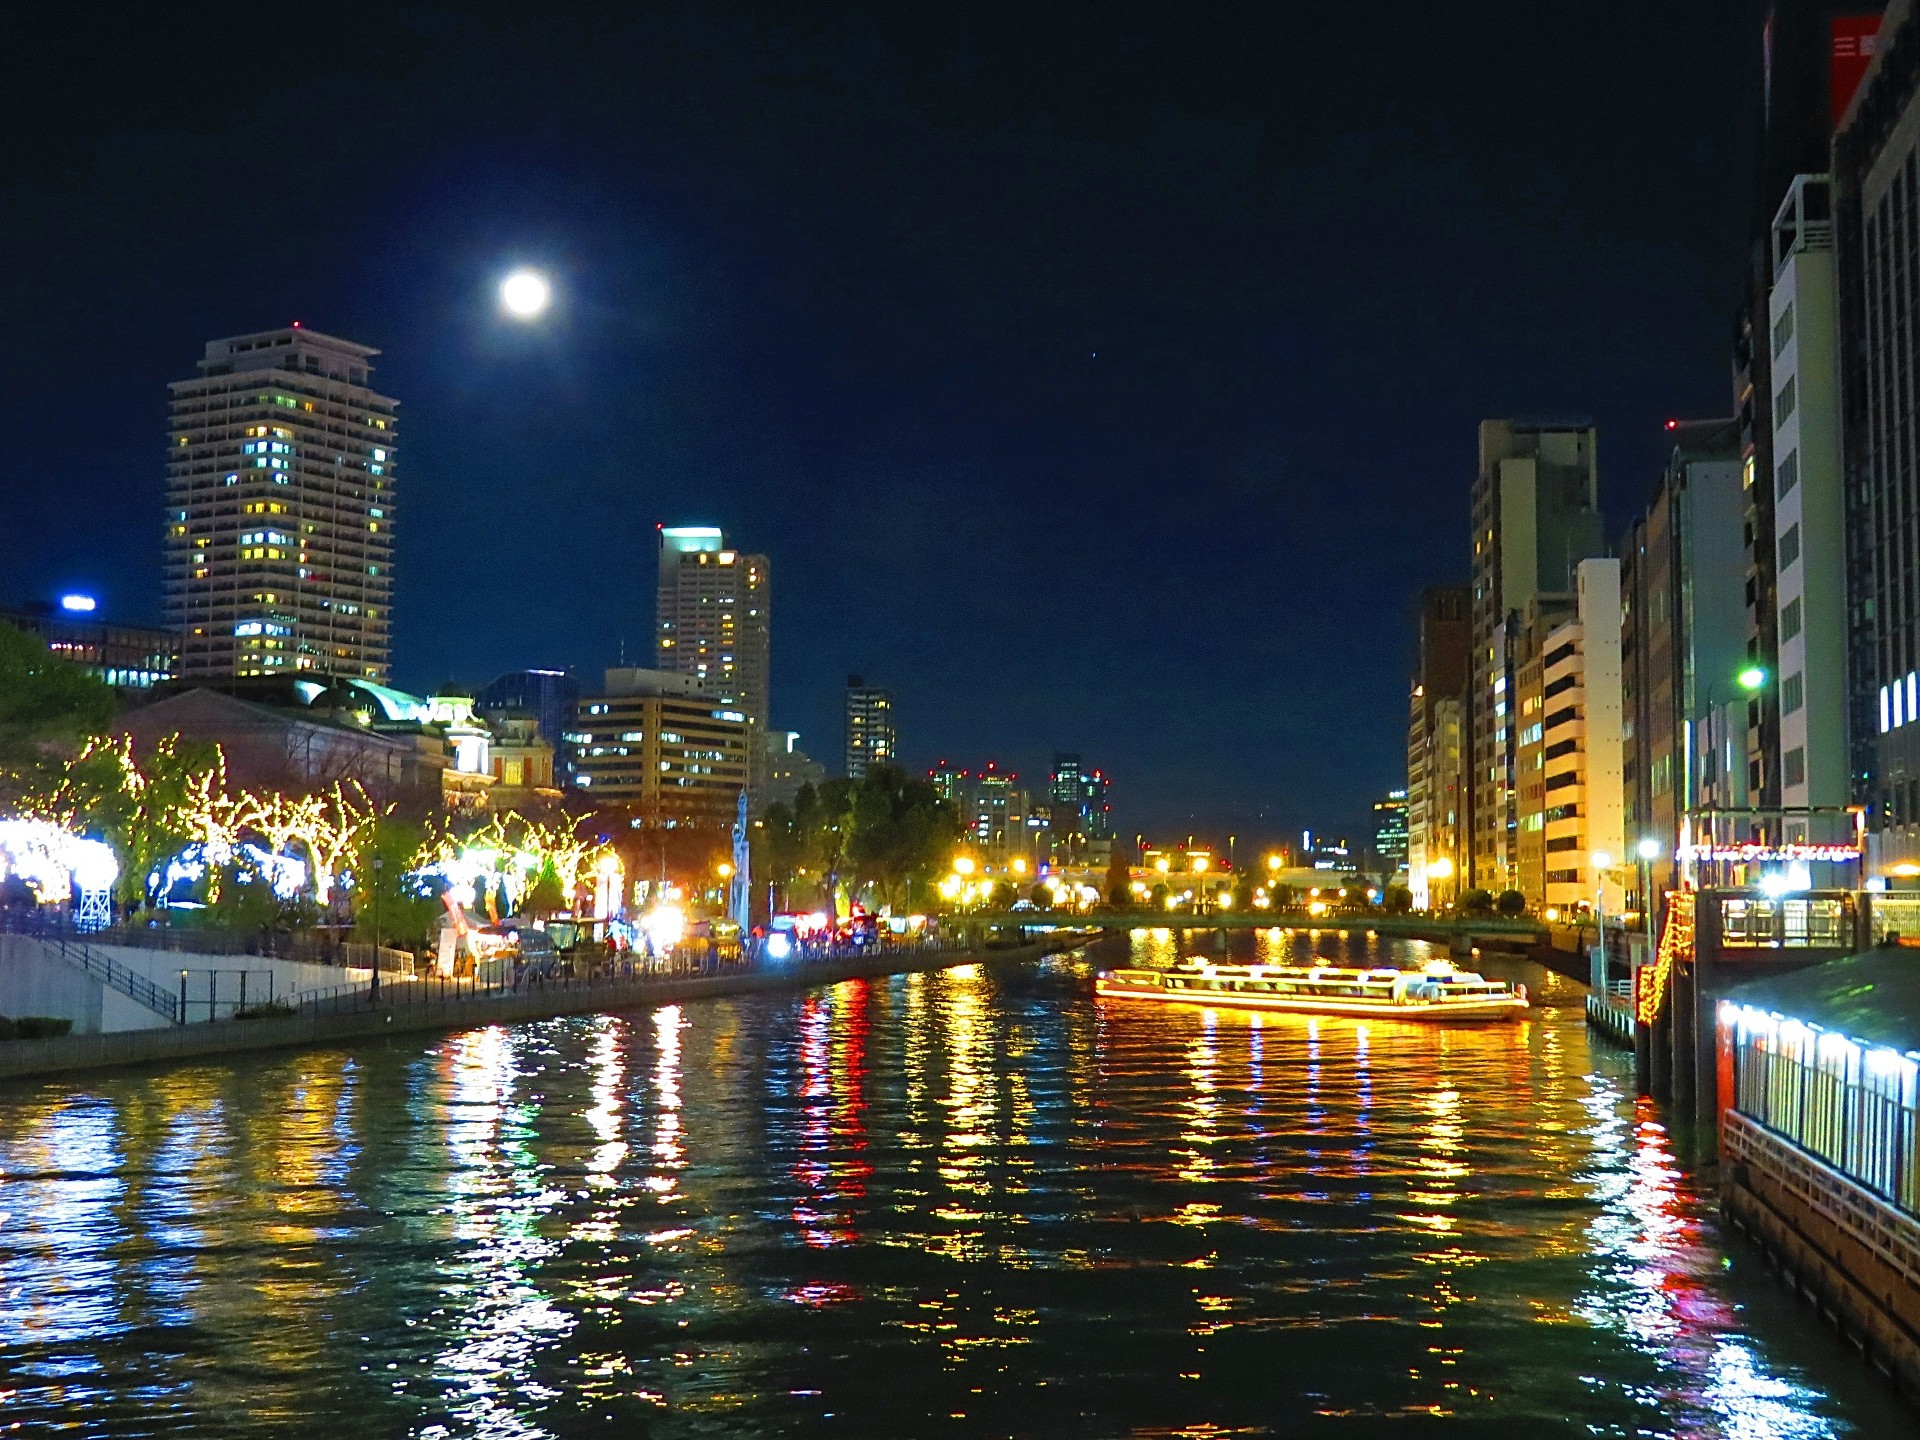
1460 934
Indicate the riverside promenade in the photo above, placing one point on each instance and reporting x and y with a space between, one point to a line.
404 1006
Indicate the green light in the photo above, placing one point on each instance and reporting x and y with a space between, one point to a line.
1751 678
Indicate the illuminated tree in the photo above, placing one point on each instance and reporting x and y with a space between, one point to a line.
147 810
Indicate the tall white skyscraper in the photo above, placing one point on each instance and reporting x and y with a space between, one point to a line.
280 509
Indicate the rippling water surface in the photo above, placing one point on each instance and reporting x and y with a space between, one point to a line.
976 1203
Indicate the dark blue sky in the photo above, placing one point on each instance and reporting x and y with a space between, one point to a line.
1097 381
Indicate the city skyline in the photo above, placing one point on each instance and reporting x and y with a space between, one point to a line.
733 340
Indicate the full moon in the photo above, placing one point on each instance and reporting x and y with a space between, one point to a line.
525 293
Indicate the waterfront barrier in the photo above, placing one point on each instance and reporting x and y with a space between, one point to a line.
358 1015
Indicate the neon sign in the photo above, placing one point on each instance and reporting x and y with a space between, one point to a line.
1765 854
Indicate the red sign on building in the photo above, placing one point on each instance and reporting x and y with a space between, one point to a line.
1853 41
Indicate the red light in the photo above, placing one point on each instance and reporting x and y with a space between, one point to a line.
296 324
1673 424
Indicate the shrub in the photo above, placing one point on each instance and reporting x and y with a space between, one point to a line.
1477 903
41 1027
265 1010
1511 903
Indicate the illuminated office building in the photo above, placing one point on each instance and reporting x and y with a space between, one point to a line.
870 734
712 622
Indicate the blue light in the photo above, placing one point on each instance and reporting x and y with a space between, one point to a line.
79 604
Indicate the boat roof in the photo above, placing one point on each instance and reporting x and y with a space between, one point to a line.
1873 996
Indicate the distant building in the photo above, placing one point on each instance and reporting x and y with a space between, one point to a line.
1390 831
997 824
654 741
1435 801
953 785
549 696
1568 749
127 657
870 734
280 509
1683 639
1536 514
1080 816
713 623
789 768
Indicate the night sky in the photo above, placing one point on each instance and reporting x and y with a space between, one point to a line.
1097 381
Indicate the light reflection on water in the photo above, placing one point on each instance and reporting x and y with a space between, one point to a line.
978 1202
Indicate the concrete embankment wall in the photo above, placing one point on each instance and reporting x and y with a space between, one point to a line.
1849 1253
34 980
24 1058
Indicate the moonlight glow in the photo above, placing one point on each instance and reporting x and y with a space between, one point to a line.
525 294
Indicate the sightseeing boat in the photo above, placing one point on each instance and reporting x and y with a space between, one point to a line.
1437 992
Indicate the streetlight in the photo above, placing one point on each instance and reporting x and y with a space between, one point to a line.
1751 679
1648 851
1601 862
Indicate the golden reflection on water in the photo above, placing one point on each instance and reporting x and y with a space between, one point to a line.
496 1311
978 1194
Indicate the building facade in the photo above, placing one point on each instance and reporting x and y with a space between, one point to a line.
870 737
654 742
1876 170
1572 827
1390 833
713 622
1080 817
1434 777
1810 50
1808 504
280 509
127 657
1536 514
1685 626
789 768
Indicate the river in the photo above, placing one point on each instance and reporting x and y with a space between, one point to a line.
970 1203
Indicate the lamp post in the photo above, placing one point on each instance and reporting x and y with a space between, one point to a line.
1601 862
1649 851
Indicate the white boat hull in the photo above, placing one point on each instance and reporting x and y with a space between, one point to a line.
1499 1007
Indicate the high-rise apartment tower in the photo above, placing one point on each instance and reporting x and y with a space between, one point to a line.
1536 515
280 509
1435 804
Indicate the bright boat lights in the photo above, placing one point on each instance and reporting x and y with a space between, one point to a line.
79 604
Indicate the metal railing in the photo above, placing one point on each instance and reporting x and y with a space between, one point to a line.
628 975
72 947
216 993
